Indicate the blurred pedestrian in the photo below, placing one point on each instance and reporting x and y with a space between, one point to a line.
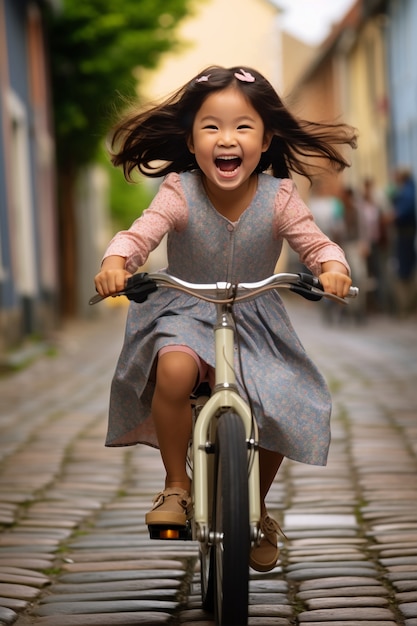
374 236
327 210
403 200
355 246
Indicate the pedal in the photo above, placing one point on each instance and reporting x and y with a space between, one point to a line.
181 533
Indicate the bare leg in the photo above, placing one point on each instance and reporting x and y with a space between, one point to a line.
175 379
269 464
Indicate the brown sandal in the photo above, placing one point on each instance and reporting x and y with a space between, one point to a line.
171 507
264 554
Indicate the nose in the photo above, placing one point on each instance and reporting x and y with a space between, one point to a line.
227 138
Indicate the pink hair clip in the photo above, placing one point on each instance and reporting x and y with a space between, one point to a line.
245 77
202 79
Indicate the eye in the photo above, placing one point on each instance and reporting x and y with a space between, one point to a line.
210 127
244 126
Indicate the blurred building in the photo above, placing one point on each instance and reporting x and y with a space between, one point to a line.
363 74
348 81
28 254
230 33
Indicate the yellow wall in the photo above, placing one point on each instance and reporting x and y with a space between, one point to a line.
347 82
221 32
366 104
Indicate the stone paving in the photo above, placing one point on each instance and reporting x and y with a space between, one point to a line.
74 550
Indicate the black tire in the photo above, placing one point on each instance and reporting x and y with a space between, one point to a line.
207 551
230 567
207 577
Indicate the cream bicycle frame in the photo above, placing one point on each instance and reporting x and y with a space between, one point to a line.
225 398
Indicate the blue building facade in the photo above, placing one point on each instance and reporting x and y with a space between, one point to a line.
402 67
28 251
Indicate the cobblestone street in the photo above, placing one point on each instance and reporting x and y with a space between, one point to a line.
74 550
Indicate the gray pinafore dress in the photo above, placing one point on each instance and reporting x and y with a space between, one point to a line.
290 398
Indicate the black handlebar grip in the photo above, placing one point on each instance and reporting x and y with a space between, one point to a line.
139 286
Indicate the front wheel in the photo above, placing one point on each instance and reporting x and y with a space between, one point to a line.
231 534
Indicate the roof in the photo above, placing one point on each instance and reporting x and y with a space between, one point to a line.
343 34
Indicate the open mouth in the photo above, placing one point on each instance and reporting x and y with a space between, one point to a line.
228 164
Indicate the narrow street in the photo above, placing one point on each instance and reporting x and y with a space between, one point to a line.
74 550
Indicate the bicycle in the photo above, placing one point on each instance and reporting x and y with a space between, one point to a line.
223 455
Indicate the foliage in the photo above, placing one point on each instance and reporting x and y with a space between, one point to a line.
95 47
127 200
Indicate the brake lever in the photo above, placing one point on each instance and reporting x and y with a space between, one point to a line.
97 298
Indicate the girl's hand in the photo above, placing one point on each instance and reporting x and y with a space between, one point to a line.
335 279
337 283
112 276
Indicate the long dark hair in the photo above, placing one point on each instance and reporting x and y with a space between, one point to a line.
155 140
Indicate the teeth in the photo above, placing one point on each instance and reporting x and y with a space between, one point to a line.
227 158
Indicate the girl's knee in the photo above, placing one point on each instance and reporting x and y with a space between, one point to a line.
177 373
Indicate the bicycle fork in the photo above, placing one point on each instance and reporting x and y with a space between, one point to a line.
223 401
225 398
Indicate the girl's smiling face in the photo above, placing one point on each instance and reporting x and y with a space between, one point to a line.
228 138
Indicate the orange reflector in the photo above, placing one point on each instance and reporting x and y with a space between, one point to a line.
169 533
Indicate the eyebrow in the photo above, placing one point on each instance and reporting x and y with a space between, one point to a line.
238 119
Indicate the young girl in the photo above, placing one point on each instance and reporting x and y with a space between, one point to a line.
226 220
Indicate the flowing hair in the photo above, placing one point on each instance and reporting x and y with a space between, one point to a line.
154 140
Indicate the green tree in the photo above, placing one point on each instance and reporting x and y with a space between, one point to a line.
95 48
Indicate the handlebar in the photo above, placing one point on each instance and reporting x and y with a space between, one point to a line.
140 286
